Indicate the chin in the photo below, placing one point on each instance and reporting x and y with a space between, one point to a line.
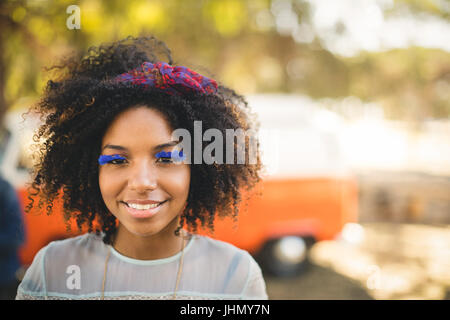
143 232
143 229
148 227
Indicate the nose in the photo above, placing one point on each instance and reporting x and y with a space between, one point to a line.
143 177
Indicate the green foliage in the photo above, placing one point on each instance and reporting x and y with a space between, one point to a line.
236 41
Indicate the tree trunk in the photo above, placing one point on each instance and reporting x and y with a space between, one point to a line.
3 105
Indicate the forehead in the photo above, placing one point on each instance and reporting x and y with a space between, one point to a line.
139 125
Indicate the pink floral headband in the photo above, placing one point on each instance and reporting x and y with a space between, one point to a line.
174 80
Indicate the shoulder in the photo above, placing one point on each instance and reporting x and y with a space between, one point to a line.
75 245
220 251
64 249
6 188
52 262
84 250
4 183
230 268
217 246
7 191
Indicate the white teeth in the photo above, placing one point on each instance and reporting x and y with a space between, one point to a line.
143 206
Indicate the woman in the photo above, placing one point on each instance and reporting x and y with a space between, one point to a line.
110 149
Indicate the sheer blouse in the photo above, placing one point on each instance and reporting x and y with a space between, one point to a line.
74 268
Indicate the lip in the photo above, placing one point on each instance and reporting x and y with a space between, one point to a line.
140 214
142 201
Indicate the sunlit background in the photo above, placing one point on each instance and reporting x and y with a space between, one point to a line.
352 88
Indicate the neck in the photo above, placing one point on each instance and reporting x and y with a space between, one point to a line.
150 247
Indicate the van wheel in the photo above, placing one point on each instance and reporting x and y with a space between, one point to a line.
285 256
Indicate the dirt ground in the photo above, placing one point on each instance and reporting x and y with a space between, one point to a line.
402 249
392 262
316 283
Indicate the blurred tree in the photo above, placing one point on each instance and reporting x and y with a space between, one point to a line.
253 46
435 7
27 41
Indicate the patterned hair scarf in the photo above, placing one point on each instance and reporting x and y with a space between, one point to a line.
174 80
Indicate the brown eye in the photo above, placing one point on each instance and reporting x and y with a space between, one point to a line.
117 161
165 160
104 159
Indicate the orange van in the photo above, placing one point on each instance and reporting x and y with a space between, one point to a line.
307 194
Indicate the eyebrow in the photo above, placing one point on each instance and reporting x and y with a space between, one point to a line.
158 147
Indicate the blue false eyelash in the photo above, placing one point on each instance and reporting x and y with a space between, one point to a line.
104 159
180 156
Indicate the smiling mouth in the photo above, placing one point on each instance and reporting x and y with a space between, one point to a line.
143 206
143 211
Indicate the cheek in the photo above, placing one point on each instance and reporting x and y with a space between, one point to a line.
174 182
106 184
177 183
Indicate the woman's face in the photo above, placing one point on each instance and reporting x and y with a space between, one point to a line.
159 185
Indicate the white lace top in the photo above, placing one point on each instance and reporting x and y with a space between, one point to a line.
74 269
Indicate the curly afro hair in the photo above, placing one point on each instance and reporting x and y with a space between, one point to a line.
80 103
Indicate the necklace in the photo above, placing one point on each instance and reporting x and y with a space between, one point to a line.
180 268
